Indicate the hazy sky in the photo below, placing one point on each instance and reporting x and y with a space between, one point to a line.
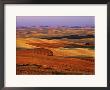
55 20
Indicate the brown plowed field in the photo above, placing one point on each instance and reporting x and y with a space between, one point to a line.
29 63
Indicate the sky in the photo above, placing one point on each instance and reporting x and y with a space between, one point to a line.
55 21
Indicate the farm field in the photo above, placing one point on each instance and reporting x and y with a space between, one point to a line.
46 54
55 45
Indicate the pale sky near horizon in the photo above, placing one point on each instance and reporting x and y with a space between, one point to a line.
55 20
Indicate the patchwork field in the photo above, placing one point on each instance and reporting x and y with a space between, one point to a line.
55 52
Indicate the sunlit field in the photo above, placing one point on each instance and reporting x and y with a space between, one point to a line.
60 50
